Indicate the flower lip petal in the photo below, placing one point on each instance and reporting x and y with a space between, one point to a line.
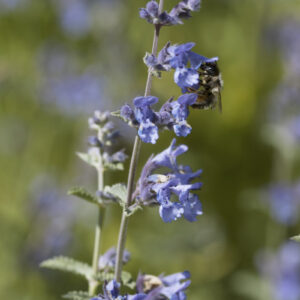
144 101
182 128
170 211
144 14
148 132
184 77
187 99
184 47
173 278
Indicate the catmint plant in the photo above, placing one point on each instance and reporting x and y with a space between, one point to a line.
163 183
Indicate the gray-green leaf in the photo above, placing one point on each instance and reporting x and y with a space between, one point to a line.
117 190
92 158
125 277
114 167
68 264
296 238
82 193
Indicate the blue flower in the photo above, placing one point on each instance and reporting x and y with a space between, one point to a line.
174 286
186 77
169 211
151 15
192 208
180 111
170 287
116 157
148 132
167 158
185 63
159 189
181 10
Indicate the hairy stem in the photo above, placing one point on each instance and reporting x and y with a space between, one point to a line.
132 168
93 284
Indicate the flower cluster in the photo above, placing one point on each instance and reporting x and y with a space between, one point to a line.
150 287
181 11
184 61
282 269
172 115
159 188
111 291
106 136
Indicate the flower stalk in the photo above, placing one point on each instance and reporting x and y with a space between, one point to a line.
133 166
93 284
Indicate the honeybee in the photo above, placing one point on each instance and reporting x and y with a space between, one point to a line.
210 85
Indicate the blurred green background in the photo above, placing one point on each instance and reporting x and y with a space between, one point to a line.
62 59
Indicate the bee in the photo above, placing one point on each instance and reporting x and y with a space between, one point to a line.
210 86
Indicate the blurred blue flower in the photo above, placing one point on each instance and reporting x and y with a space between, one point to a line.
282 269
285 105
108 259
159 189
10 5
284 203
75 17
52 220
294 127
75 93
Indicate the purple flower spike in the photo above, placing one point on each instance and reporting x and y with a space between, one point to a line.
159 189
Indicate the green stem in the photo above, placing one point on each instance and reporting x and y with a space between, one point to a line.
93 284
132 168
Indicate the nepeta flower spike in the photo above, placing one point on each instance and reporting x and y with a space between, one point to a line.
160 189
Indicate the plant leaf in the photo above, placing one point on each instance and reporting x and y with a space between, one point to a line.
68 264
77 295
82 193
127 280
118 190
91 158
